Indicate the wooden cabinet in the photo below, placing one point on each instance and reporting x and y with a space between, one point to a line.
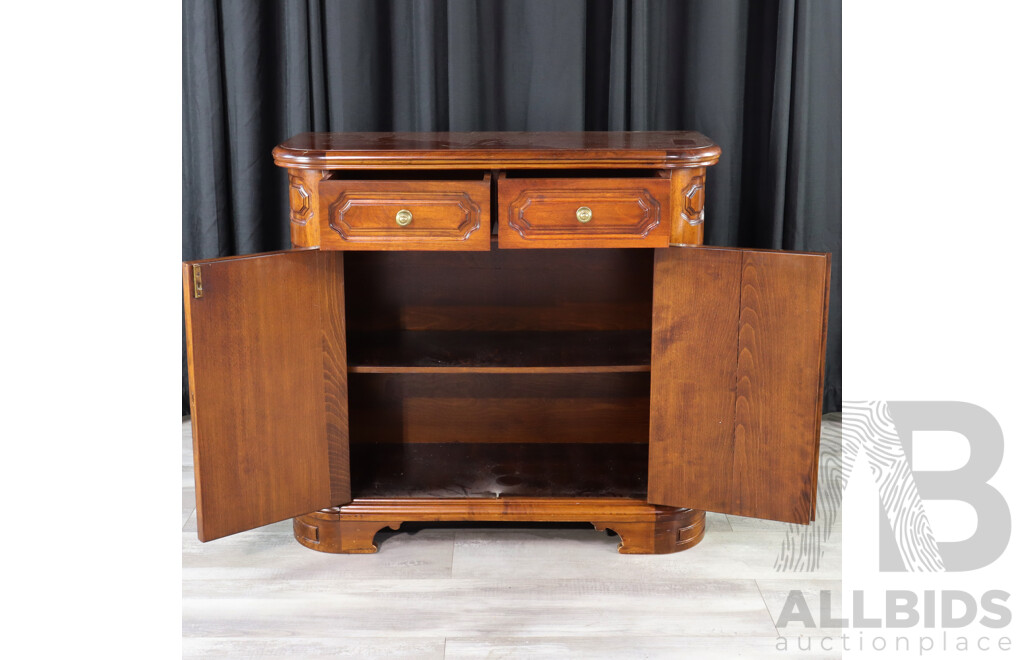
404 364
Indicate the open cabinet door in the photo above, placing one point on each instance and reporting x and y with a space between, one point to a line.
267 382
737 368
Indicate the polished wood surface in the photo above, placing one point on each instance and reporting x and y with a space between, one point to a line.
621 212
269 436
642 528
442 215
498 150
736 380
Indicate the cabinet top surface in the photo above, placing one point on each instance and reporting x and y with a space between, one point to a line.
498 149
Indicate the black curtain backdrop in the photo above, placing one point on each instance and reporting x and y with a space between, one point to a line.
761 78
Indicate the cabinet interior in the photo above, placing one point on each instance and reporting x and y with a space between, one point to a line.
499 373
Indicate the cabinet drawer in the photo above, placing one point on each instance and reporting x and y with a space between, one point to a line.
583 212
405 214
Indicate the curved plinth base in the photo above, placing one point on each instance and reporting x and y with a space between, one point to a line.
643 528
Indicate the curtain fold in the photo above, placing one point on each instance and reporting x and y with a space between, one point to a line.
760 77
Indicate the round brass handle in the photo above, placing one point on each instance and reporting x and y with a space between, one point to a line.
583 214
403 217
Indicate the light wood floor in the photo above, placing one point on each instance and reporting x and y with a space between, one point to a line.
497 593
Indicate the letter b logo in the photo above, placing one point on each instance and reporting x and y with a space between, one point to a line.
967 484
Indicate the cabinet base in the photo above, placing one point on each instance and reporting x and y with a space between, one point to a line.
643 528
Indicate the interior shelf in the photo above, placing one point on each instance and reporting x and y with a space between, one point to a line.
431 351
493 470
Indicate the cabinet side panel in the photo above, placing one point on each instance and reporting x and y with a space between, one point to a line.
304 198
687 206
257 385
335 375
778 384
693 377
821 383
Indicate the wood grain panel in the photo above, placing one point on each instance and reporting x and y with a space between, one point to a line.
693 375
257 376
558 316
490 470
493 386
778 376
500 290
821 386
504 420
332 322
736 380
446 215
414 408
431 351
541 213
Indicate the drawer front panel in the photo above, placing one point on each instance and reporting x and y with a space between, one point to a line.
405 215
559 213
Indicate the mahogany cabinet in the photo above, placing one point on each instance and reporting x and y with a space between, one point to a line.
503 327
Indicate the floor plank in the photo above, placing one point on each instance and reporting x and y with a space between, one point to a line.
775 593
188 504
186 442
273 554
670 647
474 608
333 647
537 554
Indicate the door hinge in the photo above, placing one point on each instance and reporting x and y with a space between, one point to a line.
197 281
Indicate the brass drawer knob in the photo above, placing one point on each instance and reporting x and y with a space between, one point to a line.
583 214
403 217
